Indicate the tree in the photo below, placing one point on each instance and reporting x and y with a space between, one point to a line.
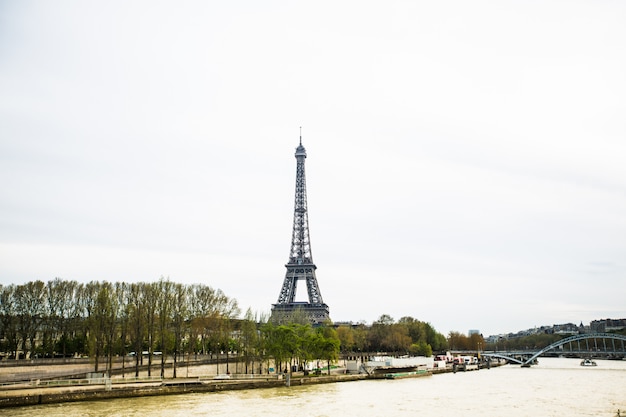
30 301
212 313
249 340
346 338
422 334
105 319
438 341
180 311
329 345
476 342
80 312
379 332
102 322
458 341
388 336
421 349
360 337
136 302
165 294
415 329
123 313
55 297
203 302
396 339
67 293
305 343
150 291
8 318
281 343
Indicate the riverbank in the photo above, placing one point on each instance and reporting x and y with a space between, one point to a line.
554 387
109 389
199 378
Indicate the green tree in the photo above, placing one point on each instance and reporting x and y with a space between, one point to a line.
281 343
396 339
421 349
346 338
378 332
329 345
249 340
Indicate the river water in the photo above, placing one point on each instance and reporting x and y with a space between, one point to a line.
555 387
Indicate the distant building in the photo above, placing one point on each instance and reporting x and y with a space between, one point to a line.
607 325
565 329
596 326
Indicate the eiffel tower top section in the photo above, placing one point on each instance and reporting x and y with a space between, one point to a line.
300 252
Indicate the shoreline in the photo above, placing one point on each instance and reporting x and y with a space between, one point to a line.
21 395
53 395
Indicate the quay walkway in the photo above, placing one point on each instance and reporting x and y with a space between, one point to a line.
50 392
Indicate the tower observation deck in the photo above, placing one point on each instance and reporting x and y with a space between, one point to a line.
300 266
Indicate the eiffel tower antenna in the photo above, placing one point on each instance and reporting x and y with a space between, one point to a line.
300 266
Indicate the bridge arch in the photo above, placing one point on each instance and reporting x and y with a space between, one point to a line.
515 357
574 338
509 358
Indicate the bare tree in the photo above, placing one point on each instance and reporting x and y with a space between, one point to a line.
180 315
150 291
30 301
8 318
165 294
136 303
123 314
102 322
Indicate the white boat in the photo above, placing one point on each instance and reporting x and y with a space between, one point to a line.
588 362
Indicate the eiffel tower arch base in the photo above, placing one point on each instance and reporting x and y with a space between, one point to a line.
299 311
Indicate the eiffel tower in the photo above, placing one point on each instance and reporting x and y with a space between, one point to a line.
300 266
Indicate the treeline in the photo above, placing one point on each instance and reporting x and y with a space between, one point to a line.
531 342
459 341
103 320
406 336
296 344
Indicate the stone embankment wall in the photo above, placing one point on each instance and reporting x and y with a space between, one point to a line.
36 396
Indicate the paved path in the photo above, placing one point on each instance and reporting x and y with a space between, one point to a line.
35 390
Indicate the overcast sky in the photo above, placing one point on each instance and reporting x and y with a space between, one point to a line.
466 159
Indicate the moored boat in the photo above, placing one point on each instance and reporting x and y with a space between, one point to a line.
410 374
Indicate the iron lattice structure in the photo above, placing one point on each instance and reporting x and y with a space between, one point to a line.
300 266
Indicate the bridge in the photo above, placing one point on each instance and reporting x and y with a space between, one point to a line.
592 344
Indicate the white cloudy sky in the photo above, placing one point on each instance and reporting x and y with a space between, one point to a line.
466 160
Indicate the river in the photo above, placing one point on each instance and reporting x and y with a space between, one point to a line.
555 387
